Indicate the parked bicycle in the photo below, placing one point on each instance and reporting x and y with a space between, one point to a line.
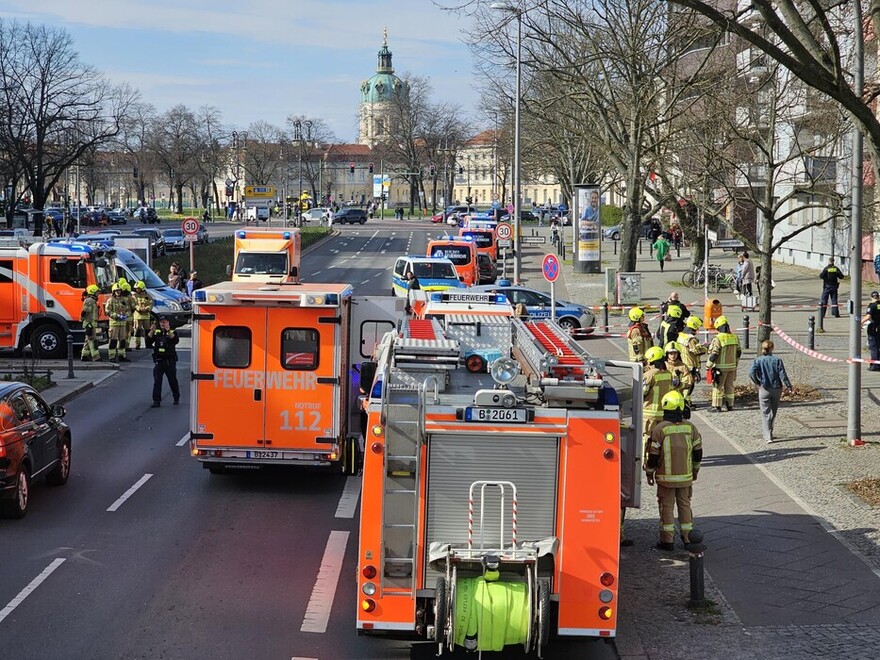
695 277
723 280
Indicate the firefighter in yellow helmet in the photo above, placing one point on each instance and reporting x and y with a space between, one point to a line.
670 326
117 310
143 308
125 288
674 456
692 353
681 375
89 318
638 337
657 383
724 354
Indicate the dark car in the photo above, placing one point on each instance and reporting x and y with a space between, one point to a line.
524 216
351 216
34 442
116 218
488 269
157 242
613 233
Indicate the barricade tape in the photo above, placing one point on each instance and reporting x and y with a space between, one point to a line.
801 347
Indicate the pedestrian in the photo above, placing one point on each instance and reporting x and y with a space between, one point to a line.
676 238
164 360
176 277
674 301
768 373
674 456
830 276
330 216
747 275
872 318
671 325
143 309
206 216
89 319
661 251
692 354
724 354
193 283
653 234
520 311
412 284
117 310
657 382
638 336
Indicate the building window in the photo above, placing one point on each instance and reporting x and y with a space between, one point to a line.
299 349
380 127
232 347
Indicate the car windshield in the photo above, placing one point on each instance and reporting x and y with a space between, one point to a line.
150 233
457 254
143 273
261 263
172 233
435 271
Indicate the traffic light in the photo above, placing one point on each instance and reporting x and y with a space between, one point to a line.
351 168
371 168
433 170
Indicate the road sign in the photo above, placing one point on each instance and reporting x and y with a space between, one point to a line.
503 231
190 226
550 267
532 240
259 192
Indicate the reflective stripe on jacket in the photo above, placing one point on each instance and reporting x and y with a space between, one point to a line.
657 383
726 347
675 443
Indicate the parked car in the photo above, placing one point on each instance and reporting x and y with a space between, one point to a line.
314 215
488 269
524 216
157 242
34 442
569 315
615 232
19 233
174 239
350 215
57 215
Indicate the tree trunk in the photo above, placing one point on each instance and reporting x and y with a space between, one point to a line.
179 192
765 297
632 221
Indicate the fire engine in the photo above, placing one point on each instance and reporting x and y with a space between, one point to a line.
266 255
42 287
495 467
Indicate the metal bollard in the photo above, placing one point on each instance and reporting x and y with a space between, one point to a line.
746 331
821 314
563 250
70 356
678 250
811 333
696 549
640 246
605 316
615 247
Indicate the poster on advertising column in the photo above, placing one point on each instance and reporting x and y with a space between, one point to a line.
588 230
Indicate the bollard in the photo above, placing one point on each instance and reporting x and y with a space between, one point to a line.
640 246
811 333
70 356
821 314
746 331
615 247
696 549
605 316
563 250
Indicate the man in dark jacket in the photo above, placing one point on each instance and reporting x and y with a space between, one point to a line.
830 276
872 316
165 360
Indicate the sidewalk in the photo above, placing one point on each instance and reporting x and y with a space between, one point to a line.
86 376
793 559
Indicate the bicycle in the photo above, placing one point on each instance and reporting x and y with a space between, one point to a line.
723 280
695 277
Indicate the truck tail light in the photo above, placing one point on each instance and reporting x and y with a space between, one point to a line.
369 572
605 613
378 430
606 579
368 605
608 454
376 447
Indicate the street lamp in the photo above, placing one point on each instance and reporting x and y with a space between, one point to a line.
239 141
298 136
516 11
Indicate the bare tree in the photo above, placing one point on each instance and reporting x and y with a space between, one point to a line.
174 140
314 135
211 160
261 160
134 143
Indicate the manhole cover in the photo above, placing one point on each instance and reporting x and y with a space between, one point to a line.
831 422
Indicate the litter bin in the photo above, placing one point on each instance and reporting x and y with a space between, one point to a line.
711 311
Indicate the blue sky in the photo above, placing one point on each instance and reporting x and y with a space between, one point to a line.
261 59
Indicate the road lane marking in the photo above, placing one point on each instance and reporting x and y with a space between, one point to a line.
321 602
349 500
140 482
28 590
183 440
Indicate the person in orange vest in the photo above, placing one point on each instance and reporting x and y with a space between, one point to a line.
674 456
724 355
638 337
657 383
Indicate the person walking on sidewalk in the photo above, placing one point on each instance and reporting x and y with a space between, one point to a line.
872 318
830 276
692 354
674 455
638 337
657 384
768 373
724 355
164 360
661 250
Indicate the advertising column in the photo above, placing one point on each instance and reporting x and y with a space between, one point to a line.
587 230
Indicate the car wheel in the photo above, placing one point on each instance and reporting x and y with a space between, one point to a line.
363 221
61 472
17 506
48 342
615 236
569 323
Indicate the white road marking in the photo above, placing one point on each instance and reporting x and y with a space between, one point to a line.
131 491
36 582
365 282
183 440
349 499
297 657
321 602
317 272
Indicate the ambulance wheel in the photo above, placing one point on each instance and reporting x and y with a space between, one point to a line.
440 610
543 614
48 342
351 455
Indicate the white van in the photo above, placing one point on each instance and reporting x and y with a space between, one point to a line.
170 303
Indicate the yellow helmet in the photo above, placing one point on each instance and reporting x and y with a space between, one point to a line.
122 281
141 285
671 346
92 289
672 400
693 322
674 311
655 353
636 314
125 286
721 320
115 287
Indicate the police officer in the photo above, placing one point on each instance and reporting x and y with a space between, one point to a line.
638 337
692 354
674 456
830 276
143 306
165 360
89 317
670 326
117 310
872 317
657 383
724 355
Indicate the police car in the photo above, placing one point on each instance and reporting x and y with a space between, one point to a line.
571 316
433 273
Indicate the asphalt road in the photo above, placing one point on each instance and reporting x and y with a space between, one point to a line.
143 554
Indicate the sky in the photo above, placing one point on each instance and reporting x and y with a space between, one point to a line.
261 59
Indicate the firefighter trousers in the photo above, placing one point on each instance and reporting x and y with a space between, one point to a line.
649 423
118 339
90 346
668 499
141 328
722 389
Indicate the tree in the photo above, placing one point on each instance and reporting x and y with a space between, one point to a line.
261 159
211 161
312 134
174 140
133 142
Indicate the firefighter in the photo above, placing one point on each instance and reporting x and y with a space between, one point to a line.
89 317
674 456
724 353
692 354
682 380
117 310
164 360
670 326
638 337
657 381
143 307
125 289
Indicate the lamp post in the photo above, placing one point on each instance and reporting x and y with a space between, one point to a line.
516 11
239 140
298 136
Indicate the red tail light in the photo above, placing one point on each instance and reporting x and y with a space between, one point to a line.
605 613
369 572
608 454
607 579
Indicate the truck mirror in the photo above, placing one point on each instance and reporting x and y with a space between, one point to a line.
293 271
368 375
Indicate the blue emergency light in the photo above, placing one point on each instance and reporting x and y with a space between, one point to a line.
241 233
286 234
199 295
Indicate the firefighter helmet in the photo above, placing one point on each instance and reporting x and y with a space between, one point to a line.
672 400
92 289
655 353
671 346
636 314
125 286
721 320
674 311
693 323
115 287
141 285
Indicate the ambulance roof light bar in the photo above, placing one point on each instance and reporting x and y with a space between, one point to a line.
241 233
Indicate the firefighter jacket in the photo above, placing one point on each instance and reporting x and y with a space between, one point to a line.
681 374
668 330
143 305
674 453
724 352
132 305
90 312
657 383
693 350
118 310
638 340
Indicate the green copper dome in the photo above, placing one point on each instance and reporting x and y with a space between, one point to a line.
384 85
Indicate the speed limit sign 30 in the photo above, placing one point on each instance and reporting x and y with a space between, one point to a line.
190 226
503 231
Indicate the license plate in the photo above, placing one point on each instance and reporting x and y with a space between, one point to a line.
264 454
511 415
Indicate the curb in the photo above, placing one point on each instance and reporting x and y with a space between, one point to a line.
79 389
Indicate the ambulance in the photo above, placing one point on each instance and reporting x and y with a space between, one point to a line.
492 489
462 252
265 255
484 238
42 287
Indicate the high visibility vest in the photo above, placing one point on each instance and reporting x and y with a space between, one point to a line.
657 383
675 443
143 305
668 332
116 308
638 340
90 314
687 341
728 353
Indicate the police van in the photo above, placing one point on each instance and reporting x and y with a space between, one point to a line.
433 273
